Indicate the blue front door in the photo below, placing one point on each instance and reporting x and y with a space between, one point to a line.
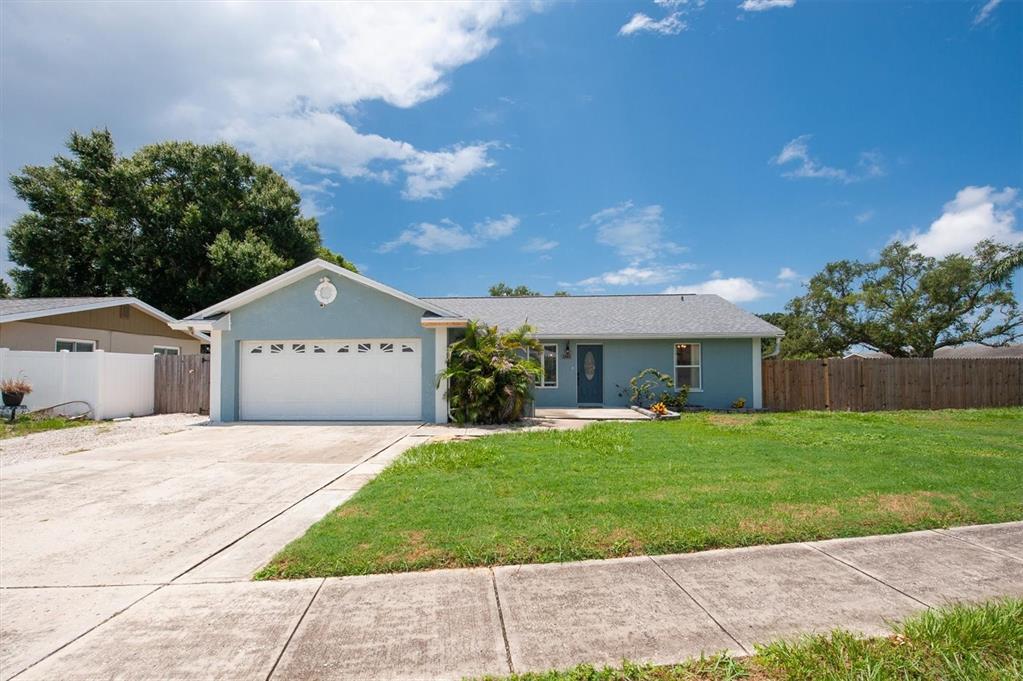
589 370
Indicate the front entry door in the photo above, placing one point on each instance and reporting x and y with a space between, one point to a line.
590 373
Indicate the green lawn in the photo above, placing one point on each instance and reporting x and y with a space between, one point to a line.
706 481
964 643
27 424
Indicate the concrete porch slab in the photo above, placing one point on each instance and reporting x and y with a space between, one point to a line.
36 622
1004 537
764 593
604 414
931 567
427 625
601 612
193 631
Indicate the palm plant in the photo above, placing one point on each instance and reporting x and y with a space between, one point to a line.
491 374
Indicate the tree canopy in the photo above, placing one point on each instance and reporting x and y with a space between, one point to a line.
904 304
502 289
177 224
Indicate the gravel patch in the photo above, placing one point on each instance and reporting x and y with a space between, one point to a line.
53 443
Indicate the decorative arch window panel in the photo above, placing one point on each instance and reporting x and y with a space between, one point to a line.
688 365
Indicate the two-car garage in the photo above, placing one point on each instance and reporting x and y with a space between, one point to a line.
331 380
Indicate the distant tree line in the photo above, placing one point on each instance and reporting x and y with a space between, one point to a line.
502 289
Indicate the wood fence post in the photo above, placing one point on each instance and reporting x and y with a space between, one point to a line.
827 387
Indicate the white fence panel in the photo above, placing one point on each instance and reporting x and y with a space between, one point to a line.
112 384
126 388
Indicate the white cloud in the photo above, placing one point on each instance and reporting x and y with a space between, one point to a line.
636 233
975 214
870 164
985 12
734 289
672 24
787 274
312 193
865 216
430 174
539 245
449 236
498 228
636 276
285 84
761 5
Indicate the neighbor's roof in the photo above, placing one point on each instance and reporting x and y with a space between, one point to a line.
979 352
689 315
12 309
20 309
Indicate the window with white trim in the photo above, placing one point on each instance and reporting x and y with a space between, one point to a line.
548 361
166 350
74 345
687 366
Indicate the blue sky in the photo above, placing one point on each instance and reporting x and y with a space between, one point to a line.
596 147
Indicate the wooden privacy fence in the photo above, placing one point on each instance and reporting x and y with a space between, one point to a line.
881 384
182 384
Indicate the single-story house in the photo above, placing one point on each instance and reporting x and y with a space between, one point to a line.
322 343
112 324
965 351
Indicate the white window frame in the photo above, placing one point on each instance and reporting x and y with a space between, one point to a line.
553 349
158 348
676 367
74 340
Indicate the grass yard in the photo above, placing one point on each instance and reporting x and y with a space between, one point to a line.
27 424
706 481
967 643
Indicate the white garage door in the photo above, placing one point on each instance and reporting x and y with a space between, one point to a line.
335 380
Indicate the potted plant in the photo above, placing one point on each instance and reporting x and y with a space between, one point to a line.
14 390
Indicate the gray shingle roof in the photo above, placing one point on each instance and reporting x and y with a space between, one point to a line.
979 352
13 306
689 315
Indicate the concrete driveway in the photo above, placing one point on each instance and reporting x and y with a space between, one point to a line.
207 504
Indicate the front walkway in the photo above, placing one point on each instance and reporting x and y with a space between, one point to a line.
455 623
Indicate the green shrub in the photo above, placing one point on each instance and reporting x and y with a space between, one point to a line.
490 374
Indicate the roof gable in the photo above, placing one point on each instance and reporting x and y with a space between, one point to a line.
301 272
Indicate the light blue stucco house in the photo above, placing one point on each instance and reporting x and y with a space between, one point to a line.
322 343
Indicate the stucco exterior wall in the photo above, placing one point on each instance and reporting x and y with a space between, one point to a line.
727 367
293 313
42 337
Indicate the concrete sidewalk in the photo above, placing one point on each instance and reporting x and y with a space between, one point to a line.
456 623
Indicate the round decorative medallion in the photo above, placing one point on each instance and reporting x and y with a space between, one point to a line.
589 366
326 292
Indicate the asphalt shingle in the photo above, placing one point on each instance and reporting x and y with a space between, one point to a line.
13 306
688 315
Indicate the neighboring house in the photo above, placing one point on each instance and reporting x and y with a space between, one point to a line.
120 324
866 354
322 343
969 351
973 351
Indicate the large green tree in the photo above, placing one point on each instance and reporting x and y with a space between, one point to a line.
905 304
177 224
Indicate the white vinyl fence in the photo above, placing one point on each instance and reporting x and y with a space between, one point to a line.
113 384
